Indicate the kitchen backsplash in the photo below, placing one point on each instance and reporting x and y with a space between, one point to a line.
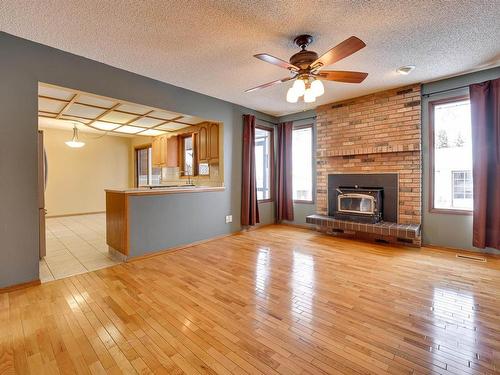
172 176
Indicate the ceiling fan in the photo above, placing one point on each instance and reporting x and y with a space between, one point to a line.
305 68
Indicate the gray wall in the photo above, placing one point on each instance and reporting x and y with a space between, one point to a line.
302 210
23 64
159 222
446 229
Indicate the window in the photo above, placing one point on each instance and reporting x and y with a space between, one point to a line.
187 155
451 155
302 141
146 174
264 162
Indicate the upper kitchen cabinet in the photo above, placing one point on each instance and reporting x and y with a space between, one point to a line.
172 154
208 142
164 151
157 151
213 136
203 143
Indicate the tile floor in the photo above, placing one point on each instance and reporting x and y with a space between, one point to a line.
75 244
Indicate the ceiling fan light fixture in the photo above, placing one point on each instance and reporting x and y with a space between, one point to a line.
75 143
299 86
306 68
317 87
291 96
309 96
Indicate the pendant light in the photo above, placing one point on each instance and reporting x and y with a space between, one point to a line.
75 143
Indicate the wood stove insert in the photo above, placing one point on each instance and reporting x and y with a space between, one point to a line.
360 204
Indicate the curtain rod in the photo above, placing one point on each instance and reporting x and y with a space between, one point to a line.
274 123
305 118
443 91
261 119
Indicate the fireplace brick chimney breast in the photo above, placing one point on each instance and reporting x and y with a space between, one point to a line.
375 133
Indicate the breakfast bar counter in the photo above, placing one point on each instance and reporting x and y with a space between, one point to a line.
145 220
165 190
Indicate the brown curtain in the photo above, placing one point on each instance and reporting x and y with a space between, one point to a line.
284 192
485 108
249 206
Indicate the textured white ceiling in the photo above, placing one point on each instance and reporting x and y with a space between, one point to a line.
207 46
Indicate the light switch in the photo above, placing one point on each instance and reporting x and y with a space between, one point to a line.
229 219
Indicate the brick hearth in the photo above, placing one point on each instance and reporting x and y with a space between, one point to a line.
407 234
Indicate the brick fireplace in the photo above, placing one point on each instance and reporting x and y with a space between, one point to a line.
377 133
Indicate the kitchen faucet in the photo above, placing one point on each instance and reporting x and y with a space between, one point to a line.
189 180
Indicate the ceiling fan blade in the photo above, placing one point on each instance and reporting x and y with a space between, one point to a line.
341 76
275 61
270 84
340 51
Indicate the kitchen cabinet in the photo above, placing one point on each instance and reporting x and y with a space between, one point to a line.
156 150
208 142
203 143
171 152
164 151
213 136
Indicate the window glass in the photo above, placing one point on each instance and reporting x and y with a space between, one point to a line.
302 164
263 163
142 167
146 173
154 172
452 156
188 156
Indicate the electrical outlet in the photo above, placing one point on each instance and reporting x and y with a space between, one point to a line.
229 219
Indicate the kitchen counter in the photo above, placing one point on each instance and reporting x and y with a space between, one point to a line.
166 190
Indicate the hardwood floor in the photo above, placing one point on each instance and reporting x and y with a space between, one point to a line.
274 300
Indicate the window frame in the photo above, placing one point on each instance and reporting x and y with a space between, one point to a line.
181 152
271 163
147 146
299 127
432 104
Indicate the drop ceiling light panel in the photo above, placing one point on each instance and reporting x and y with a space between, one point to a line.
166 115
48 105
46 114
128 129
172 126
84 111
134 108
191 120
93 100
147 122
152 132
105 125
118 117
55 92
71 118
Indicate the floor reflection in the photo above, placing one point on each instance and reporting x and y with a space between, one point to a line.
454 322
262 271
302 284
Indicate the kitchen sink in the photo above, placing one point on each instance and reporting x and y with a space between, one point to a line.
170 186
